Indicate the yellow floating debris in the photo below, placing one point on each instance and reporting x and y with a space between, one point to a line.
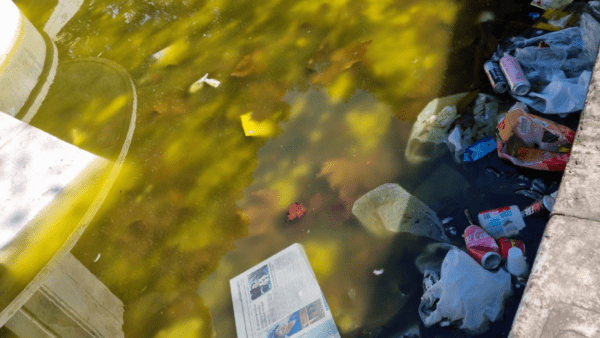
255 128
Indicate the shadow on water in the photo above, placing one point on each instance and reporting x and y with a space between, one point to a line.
481 24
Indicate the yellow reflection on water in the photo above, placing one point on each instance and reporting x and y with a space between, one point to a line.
199 200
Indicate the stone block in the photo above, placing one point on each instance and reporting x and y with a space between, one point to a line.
34 168
70 303
565 279
579 195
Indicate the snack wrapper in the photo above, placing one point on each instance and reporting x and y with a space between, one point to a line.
533 142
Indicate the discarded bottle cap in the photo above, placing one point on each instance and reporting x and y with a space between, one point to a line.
515 263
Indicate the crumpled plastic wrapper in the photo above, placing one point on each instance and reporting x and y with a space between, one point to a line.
466 296
429 133
485 118
533 142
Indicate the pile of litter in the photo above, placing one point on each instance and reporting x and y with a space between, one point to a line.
524 121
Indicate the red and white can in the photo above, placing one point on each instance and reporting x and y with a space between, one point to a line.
506 243
515 77
482 247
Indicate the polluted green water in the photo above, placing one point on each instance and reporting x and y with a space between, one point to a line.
315 103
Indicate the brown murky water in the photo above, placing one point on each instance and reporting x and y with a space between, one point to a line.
332 88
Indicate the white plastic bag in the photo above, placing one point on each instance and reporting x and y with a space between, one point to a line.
428 136
466 295
389 209
560 73
432 257
590 35
561 95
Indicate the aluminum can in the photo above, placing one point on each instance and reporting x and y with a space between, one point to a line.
505 244
515 77
546 204
482 247
494 74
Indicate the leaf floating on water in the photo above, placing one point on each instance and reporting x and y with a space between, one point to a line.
341 60
251 63
295 210
351 54
171 55
264 99
78 136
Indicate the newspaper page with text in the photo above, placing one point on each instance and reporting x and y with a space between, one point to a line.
281 297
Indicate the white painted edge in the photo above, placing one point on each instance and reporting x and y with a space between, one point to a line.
29 290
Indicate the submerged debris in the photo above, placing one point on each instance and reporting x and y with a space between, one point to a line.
295 210
196 86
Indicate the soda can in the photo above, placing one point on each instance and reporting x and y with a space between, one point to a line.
534 208
546 204
482 247
505 244
494 74
515 77
502 222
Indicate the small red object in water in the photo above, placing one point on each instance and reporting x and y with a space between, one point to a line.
295 210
